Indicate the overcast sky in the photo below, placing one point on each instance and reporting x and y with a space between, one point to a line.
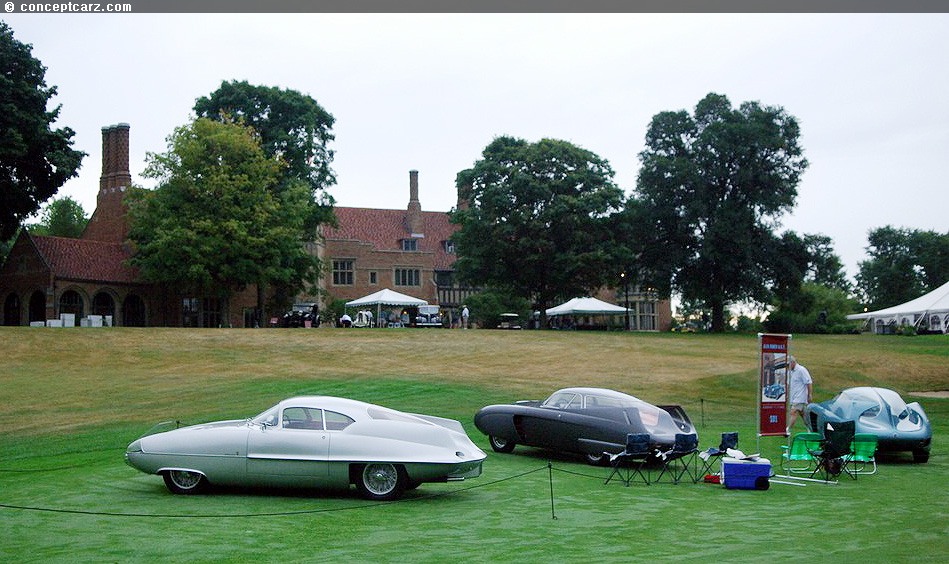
429 92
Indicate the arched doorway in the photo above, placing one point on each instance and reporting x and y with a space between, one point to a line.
103 304
37 306
71 302
133 311
11 310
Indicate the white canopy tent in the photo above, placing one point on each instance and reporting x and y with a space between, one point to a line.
930 310
385 297
586 306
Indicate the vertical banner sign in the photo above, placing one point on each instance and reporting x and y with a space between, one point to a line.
773 385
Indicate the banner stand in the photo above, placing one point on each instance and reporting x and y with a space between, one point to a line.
774 350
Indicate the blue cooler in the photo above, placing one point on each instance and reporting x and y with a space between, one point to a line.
746 474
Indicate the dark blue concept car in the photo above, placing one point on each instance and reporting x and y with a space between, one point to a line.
586 421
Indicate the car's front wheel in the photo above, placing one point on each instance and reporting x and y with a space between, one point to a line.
501 445
381 481
596 459
920 456
184 482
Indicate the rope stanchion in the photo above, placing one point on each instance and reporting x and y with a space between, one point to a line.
550 477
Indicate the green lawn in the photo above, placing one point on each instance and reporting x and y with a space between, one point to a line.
73 399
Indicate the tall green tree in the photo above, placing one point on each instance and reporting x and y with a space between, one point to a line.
824 264
537 220
903 264
810 290
213 224
35 160
710 193
293 127
63 217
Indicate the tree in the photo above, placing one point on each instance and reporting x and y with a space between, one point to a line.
903 265
824 265
536 220
490 304
810 291
63 217
814 308
35 160
213 224
710 192
293 127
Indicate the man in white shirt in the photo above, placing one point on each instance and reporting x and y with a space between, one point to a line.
799 386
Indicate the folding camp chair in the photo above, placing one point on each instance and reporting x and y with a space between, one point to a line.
712 454
799 452
631 461
863 454
833 456
680 459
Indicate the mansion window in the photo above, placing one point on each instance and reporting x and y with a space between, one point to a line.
643 308
407 277
444 278
648 317
409 244
201 312
343 272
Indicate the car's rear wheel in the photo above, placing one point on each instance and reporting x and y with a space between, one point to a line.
184 482
501 445
381 481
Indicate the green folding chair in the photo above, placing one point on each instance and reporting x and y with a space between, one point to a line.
864 448
797 456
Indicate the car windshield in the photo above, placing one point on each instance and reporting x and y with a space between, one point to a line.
268 417
896 403
564 400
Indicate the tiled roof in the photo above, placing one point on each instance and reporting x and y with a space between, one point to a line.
79 259
385 230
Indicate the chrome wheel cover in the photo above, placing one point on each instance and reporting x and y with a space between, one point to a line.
380 479
184 479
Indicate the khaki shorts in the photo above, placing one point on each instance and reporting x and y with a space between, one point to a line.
799 407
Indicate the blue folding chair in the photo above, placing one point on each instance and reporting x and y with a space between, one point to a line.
631 461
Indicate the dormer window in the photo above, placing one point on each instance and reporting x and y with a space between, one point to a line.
449 247
409 244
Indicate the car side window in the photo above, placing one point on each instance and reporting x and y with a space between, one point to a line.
337 421
303 418
602 401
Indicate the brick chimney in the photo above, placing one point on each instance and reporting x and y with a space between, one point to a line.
464 193
413 219
109 222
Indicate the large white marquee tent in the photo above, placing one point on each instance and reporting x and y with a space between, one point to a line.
930 311
385 297
586 306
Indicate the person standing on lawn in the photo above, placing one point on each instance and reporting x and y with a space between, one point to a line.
800 386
